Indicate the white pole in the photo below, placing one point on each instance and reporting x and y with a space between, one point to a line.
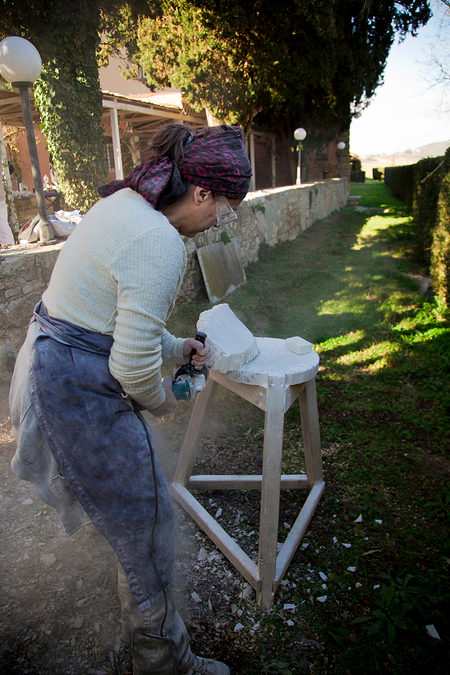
118 167
252 161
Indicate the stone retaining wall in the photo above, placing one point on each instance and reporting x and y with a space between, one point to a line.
265 216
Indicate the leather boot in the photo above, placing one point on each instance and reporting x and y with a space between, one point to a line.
159 639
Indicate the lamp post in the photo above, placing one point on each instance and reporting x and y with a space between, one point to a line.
299 135
20 64
341 148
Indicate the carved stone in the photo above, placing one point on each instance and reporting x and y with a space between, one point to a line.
232 344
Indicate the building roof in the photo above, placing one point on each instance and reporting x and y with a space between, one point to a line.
142 114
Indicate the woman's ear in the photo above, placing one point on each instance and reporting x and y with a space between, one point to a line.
201 195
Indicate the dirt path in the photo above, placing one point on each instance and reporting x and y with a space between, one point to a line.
59 606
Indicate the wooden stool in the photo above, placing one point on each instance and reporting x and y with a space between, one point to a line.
272 382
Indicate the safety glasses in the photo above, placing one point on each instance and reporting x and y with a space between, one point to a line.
224 211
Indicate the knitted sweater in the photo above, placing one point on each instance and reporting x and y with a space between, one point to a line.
119 274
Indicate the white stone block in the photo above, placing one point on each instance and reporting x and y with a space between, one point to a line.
232 344
298 345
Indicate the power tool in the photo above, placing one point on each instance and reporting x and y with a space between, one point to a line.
188 381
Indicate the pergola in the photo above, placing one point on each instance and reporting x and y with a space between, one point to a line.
140 116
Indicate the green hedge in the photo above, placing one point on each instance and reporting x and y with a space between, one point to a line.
400 181
426 187
431 209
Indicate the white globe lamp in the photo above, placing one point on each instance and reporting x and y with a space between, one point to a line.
299 135
20 64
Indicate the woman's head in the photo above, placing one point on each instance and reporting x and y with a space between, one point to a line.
199 209
213 158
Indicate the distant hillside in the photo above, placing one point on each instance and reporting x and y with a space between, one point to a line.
370 162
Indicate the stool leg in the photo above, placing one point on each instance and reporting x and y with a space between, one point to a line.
270 489
190 445
310 431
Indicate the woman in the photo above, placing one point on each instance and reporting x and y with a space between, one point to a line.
92 360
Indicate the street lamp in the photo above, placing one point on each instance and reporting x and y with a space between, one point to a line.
20 64
299 135
341 148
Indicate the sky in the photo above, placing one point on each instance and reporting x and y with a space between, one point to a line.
406 111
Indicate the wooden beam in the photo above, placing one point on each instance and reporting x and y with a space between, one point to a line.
244 482
149 110
217 534
296 532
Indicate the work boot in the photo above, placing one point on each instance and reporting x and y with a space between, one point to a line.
159 638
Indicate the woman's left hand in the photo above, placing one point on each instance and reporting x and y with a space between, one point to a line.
202 356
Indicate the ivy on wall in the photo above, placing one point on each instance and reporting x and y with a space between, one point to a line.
68 93
69 99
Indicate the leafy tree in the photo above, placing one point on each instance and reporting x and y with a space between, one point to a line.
313 63
68 95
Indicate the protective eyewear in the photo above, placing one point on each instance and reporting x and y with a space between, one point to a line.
224 211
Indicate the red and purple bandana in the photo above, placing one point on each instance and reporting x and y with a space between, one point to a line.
216 162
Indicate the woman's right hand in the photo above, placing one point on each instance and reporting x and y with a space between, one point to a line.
170 402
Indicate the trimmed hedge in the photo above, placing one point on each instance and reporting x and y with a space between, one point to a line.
400 181
426 187
440 235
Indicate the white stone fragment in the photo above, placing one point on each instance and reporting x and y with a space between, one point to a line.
298 345
351 569
289 605
346 545
78 621
246 592
238 627
202 554
358 519
432 632
290 623
195 597
48 559
27 501
323 576
378 521
322 598
232 344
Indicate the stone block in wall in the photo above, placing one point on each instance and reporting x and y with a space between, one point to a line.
24 272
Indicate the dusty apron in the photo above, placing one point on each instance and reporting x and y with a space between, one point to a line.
88 450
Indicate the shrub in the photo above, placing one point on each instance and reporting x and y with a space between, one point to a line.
426 187
400 181
440 236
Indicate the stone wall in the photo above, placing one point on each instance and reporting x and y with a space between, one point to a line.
265 216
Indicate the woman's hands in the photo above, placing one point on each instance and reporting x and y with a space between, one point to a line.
199 359
170 402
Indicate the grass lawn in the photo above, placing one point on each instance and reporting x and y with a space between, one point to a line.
372 572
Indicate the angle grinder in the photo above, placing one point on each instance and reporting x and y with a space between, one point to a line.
187 380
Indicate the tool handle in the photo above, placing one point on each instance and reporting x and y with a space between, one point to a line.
201 337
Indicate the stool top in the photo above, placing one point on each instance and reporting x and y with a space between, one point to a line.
276 360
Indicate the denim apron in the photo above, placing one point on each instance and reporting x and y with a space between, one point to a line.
102 448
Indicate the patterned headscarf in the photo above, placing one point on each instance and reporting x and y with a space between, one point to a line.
216 162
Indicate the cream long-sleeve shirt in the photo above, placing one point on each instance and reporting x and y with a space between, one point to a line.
119 274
